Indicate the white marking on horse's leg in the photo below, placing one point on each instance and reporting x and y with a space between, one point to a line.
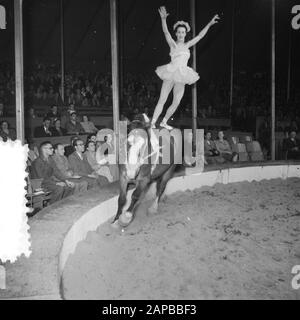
154 207
125 218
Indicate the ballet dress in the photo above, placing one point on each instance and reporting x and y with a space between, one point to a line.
178 70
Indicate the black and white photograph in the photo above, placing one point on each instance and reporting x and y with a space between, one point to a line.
149 151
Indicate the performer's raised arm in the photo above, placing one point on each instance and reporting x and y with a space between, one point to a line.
163 14
203 32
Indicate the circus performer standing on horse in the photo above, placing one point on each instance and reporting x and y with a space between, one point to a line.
176 74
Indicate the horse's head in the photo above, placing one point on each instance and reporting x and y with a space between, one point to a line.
137 145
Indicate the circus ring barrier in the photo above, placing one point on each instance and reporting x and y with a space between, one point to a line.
56 230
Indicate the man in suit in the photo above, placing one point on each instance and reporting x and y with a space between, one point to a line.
57 130
80 166
292 147
53 114
73 126
63 166
44 130
44 168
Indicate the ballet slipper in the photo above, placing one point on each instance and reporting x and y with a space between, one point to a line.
166 126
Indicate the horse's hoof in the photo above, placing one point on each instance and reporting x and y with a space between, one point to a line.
115 224
125 218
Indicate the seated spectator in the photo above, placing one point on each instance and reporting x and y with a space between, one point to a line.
73 126
224 148
71 109
80 166
57 130
33 153
101 169
53 114
6 133
88 125
63 166
42 168
44 130
70 149
211 154
91 137
105 155
292 147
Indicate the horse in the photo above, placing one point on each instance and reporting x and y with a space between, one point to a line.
141 140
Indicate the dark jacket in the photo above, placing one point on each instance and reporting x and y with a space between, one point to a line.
79 166
56 133
46 170
40 132
74 128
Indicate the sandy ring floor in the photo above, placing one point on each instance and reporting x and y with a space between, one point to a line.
238 241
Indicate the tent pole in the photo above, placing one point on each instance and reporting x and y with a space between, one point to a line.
232 59
62 50
19 69
194 87
273 83
115 70
288 91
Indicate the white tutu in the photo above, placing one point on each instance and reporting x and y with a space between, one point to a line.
177 70
179 74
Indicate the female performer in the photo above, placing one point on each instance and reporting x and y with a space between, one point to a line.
176 74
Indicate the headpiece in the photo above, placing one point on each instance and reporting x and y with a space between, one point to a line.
188 28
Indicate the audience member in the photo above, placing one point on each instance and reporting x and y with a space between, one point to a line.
80 166
91 137
7 133
211 154
70 148
53 180
73 126
101 169
224 148
57 130
88 125
62 164
44 130
53 114
292 147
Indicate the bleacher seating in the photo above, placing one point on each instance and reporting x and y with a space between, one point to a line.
254 151
240 149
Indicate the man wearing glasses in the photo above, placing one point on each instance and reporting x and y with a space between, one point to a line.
81 167
53 180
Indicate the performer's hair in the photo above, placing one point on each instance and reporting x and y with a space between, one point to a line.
181 26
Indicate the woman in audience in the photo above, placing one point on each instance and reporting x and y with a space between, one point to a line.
224 148
57 130
101 169
88 125
211 154
6 133
105 152
92 137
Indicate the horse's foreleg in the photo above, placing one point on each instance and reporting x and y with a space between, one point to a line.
137 194
122 198
160 188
